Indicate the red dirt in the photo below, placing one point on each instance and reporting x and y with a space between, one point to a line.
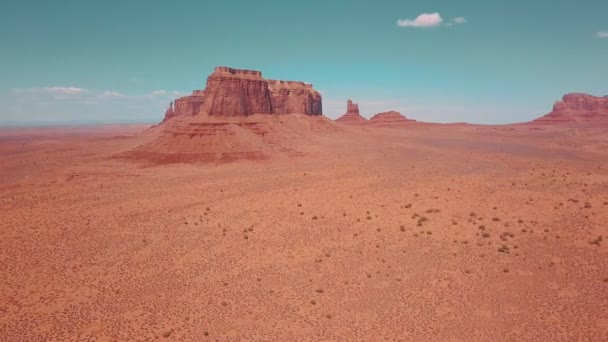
322 239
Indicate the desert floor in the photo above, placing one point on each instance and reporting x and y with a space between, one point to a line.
419 233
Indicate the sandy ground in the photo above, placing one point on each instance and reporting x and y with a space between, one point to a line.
423 233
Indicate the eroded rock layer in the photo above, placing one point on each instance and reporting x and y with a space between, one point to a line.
237 92
578 108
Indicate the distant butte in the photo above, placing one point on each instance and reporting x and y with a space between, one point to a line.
578 108
352 115
390 118
236 92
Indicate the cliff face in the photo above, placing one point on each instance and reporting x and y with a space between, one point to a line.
189 105
236 92
352 107
294 97
576 107
583 102
352 115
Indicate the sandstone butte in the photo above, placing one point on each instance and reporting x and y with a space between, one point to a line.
578 108
352 115
235 92
390 118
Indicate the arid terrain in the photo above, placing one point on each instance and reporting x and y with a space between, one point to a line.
420 232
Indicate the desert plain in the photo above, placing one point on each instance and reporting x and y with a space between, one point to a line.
421 232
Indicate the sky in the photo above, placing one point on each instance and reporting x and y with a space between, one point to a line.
480 61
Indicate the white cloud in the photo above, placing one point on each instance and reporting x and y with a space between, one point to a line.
430 20
159 92
602 34
423 20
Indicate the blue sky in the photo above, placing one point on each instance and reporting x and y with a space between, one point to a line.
478 61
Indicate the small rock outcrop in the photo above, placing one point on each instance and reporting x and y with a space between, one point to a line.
578 108
390 118
352 115
237 92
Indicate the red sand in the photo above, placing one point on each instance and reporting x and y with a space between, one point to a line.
325 244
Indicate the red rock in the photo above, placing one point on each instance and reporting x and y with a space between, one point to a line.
578 108
169 113
352 107
352 115
236 92
294 97
189 105
390 118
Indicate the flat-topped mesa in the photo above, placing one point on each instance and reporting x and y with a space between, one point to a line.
390 118
352 115
238 92
578 101
578 107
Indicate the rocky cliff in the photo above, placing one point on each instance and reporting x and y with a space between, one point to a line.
576 107
236 92
352 115
294 97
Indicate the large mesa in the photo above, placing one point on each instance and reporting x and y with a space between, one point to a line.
578 108
390 118
238 92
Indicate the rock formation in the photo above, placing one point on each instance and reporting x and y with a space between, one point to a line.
294 97
236 92
390 118
239 115
352 107
169 112
352 115
578 108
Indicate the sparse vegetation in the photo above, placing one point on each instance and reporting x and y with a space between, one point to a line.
168 333
421 220
597 241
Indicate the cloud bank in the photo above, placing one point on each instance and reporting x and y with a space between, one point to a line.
602 34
